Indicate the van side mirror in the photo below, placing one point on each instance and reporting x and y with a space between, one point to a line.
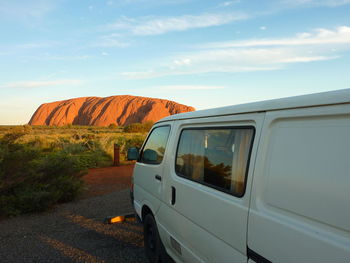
133 154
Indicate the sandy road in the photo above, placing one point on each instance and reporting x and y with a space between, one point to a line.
75 232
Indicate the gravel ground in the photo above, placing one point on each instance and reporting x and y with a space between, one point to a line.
74 232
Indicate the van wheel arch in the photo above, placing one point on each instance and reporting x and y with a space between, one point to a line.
160 254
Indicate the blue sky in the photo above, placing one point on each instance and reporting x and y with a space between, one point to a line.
199 53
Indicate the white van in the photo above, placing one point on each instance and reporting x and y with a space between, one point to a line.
258 182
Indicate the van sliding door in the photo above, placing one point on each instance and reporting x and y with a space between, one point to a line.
207 192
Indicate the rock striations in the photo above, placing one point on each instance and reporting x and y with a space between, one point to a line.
121 110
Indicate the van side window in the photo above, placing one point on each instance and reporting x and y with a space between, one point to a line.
215 157
154 149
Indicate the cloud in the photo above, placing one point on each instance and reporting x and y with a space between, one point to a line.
144 74
111 40
37 45
229 3
254 55
23 9
339 36
57 57
5 53
149 2
160 25
190 87
27 48
315 3
39 84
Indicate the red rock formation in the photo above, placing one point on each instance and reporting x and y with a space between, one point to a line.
121 110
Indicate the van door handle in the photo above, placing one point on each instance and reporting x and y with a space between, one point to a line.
173 195
158 177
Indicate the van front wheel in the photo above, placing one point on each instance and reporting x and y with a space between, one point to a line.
151 239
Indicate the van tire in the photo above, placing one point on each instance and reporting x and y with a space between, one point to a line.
154 248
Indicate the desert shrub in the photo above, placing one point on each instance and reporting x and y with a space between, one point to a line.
94 145
34 180
12 136
38 142
139 127
76 136
73 148
127 142
113 126
135 141
88 136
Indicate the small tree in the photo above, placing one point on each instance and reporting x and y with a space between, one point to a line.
112 126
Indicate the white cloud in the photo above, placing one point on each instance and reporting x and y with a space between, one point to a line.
313 3
111 40
161 25
23 9
263 28
39 84
5 53
229 3
190 87
53 57
183 61
340 35
48 57
143 74
34 45
255 55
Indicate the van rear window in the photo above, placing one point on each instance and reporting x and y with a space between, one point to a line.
215 157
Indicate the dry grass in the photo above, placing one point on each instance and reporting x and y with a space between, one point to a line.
52 137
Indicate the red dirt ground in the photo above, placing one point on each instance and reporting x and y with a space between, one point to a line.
105 180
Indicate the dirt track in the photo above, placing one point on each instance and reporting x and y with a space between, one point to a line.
75 232
106 180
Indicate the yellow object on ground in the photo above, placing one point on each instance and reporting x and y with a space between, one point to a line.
120 219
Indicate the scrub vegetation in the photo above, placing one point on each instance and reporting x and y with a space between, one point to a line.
41 166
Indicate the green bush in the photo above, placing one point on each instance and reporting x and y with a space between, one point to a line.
34 180
139 127
127 142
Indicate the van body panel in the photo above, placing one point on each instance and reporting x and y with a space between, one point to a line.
300 198
203 217
187 253
197 244
144 198
145 186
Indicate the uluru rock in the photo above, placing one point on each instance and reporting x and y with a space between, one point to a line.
96 111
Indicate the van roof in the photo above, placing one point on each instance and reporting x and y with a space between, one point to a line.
310 100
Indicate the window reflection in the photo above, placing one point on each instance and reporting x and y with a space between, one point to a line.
154 149
215 157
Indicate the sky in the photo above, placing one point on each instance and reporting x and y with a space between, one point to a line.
199 53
